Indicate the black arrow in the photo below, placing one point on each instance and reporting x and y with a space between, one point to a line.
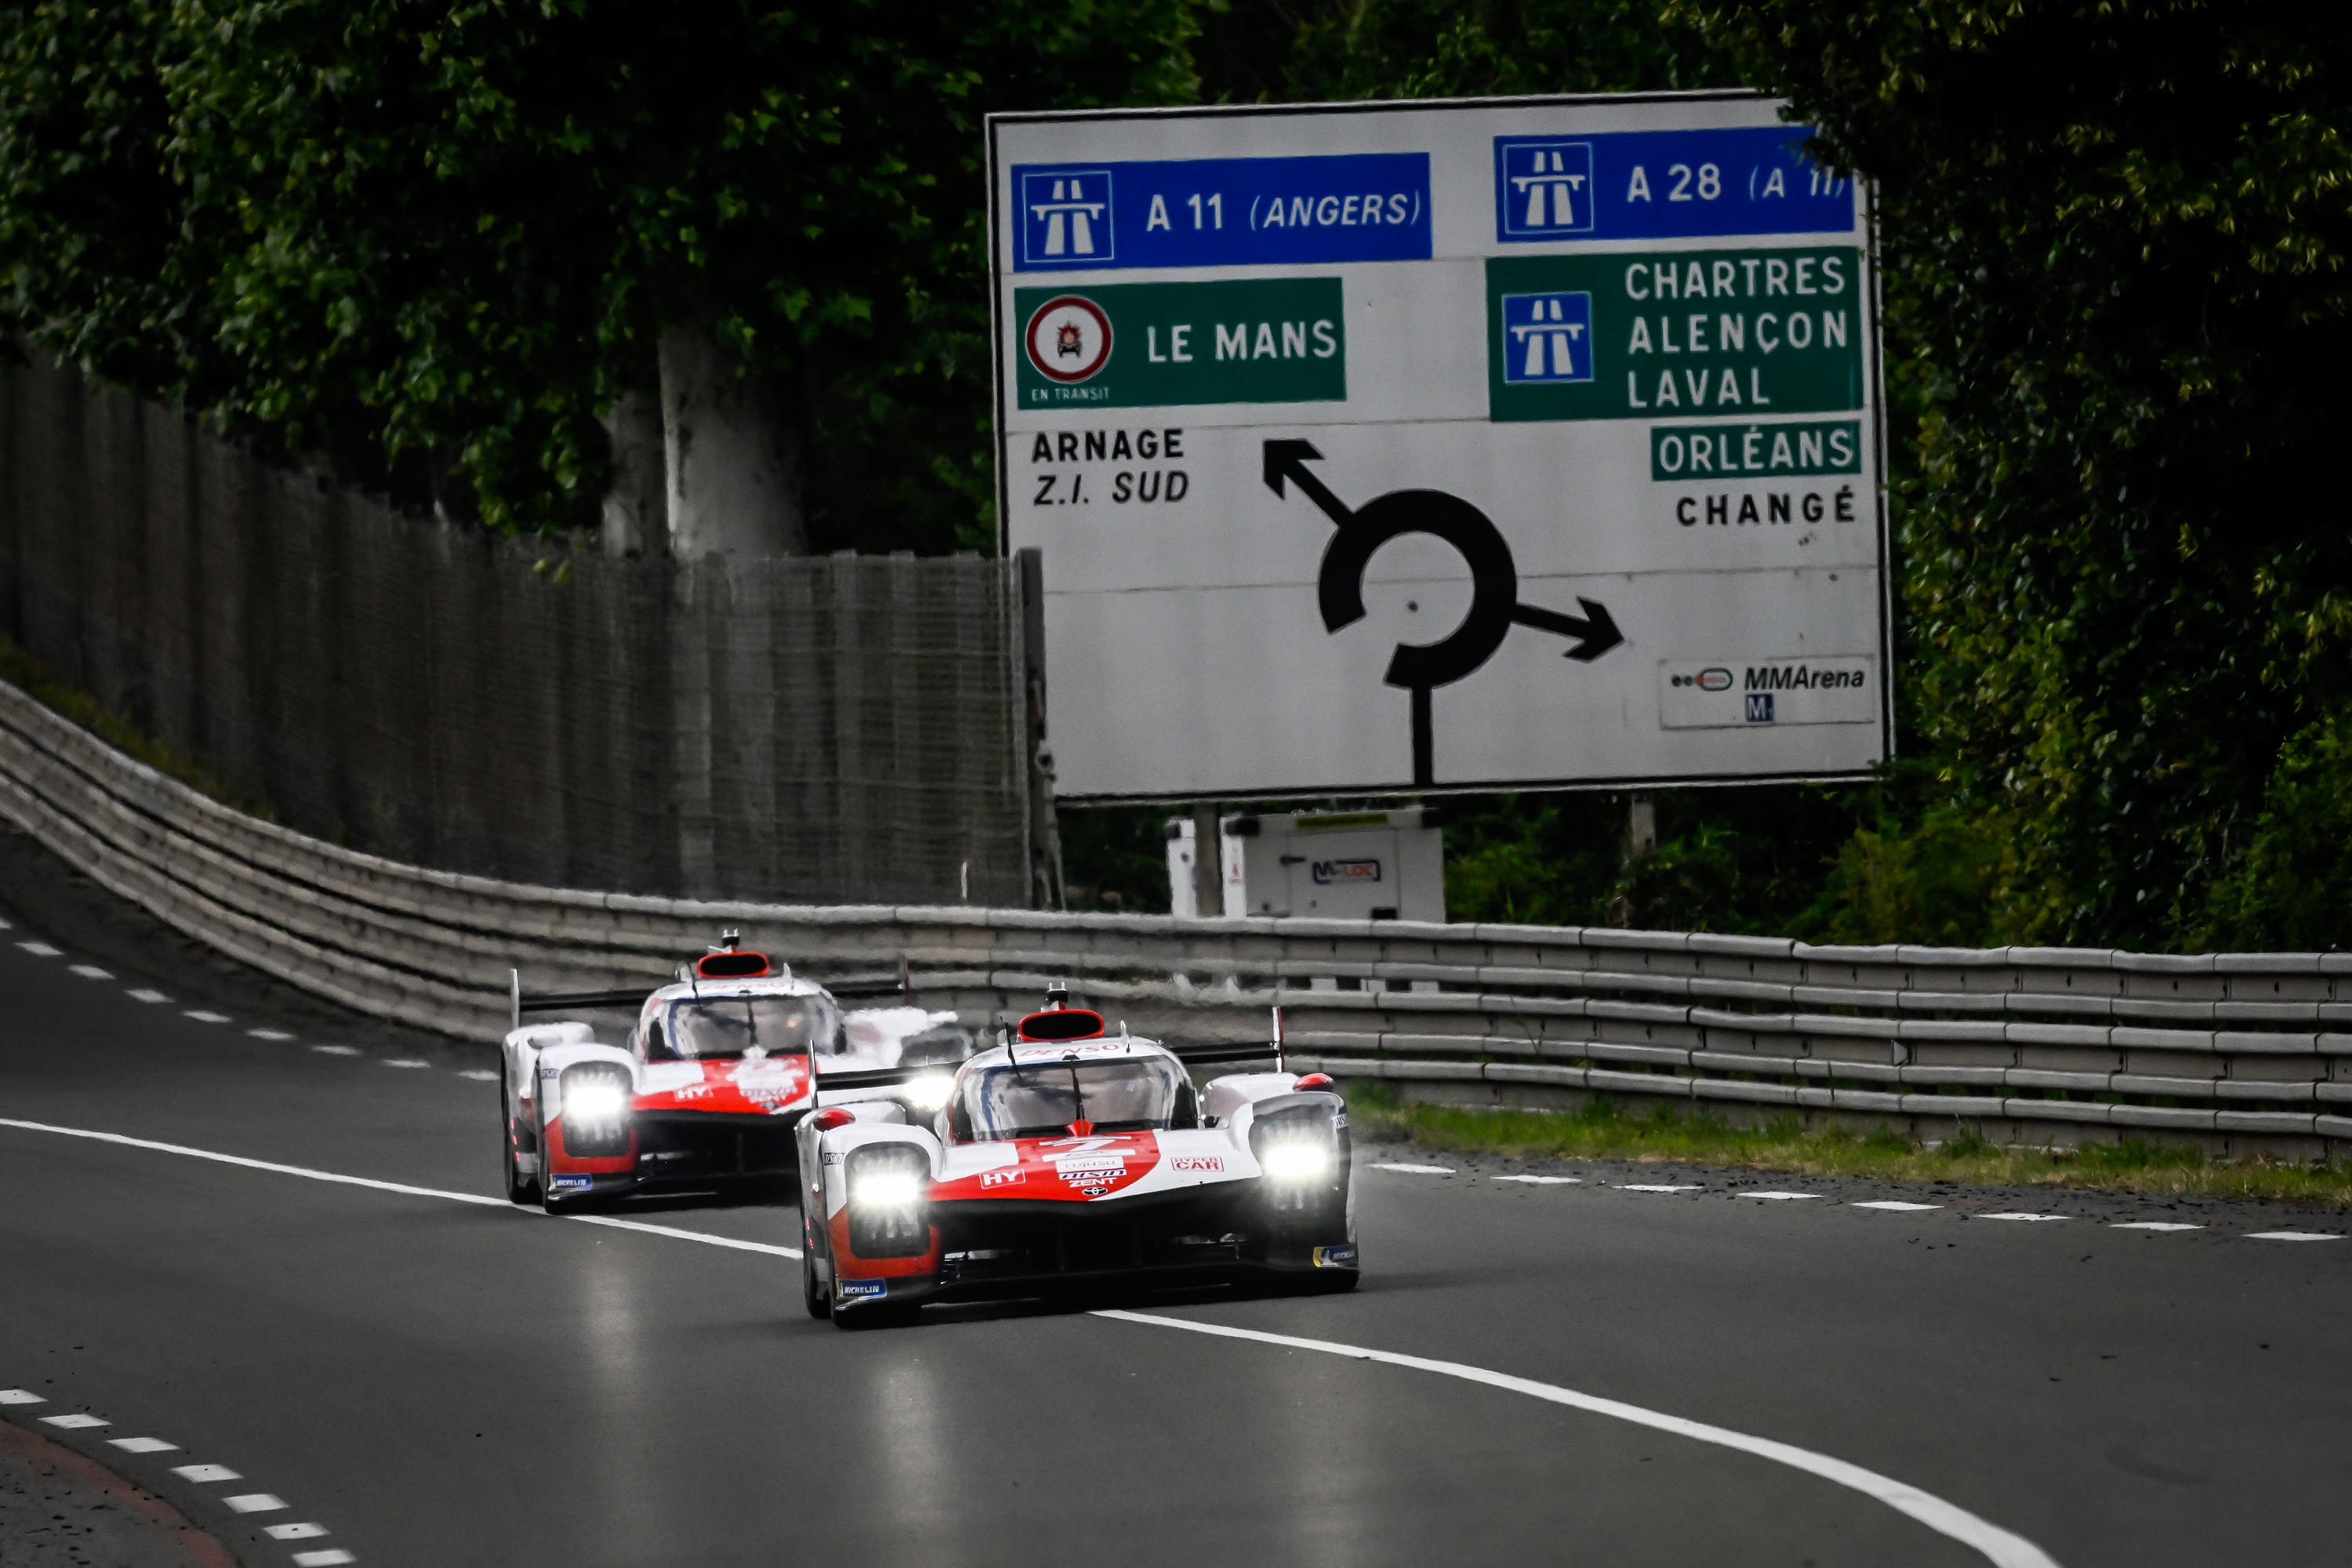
1288 460
1596 633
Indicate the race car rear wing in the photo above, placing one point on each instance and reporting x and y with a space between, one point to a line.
892 1078
518 1004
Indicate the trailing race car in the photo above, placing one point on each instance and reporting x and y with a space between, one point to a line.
715 1072
1070 1157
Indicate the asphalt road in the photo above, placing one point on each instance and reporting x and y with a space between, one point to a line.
428 1381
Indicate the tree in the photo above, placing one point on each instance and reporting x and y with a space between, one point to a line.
437 242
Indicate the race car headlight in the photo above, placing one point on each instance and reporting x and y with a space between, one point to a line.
1303 1151
929 1091
595 1105
887 1217
886 1189
1297 1159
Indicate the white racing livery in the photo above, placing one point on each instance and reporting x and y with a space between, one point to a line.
1069 1158
712 1077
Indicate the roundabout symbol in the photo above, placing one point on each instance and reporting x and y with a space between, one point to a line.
1495 607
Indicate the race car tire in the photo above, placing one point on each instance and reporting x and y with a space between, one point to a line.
520 1189
813 1294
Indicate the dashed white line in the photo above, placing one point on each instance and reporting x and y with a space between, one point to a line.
2028 1218
336 1050
293 1532
20 1396
143 995
326 1559
91 972
255 1502
201 1016
41 950
1892 1206
1657 1186
480 1074
2292 1236
2153 1225
75 1422
406 1062
1997 1546
270 1034
1531 1181
1777 1197
142 1445
1417 1170
205 1474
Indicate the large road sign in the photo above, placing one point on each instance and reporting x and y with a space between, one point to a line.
1513 443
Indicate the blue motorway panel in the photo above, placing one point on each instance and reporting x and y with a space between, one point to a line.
1221 212
1665 185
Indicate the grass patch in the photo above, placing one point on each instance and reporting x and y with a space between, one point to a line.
44 686
1603 1130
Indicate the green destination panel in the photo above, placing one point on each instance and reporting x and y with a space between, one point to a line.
1795 450
1145 345
1674 334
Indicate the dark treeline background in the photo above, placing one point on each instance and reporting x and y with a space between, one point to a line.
426 246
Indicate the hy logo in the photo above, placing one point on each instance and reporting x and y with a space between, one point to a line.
1547 187
1547 337
1066 217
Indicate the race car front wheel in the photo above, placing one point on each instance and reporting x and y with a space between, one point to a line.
813 1295
520 1187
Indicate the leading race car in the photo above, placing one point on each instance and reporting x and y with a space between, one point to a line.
1071 1157
717 1070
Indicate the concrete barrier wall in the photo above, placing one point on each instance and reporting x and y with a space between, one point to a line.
2237 1051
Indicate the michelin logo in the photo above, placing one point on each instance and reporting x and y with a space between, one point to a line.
1728 693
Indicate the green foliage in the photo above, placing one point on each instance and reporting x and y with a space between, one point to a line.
432 241
2290 888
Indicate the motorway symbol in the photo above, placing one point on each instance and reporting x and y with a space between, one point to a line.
1495 607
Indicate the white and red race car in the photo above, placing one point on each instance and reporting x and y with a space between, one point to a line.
1072 1158
715 1073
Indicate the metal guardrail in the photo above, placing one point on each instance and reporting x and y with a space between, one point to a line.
2241 1051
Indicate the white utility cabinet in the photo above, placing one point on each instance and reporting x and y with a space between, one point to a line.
1352 865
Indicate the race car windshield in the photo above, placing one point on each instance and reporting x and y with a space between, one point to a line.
1038 1099
710 1028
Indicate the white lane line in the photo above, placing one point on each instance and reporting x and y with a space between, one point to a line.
2153 1225
1545 1181
1892 1206
142 1445
1417 1170
201 1016
255 1502
2027 1217
20 1396
205 1474
75 1422
41 950
406 1062
402 1188
1777 1197
1657 1186
480 1074
143 995
270 1034
1997 1545
336 1050
2292 1236
5 926
91 972
326 1559
293 1532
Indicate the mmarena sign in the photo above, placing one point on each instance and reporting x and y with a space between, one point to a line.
1502 444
